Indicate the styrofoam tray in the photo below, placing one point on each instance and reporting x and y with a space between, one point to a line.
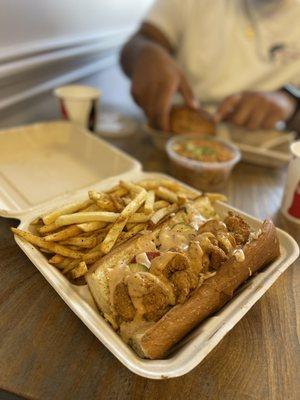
44 161
190 351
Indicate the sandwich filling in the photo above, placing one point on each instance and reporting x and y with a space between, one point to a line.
179 257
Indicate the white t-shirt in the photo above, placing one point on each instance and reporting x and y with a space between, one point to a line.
226 46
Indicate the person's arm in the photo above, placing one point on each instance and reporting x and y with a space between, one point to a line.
257 110
147 58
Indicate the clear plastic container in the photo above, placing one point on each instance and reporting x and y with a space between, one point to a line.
205 176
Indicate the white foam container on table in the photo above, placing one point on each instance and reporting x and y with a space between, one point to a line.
49 154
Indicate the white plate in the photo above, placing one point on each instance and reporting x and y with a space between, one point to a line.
194 347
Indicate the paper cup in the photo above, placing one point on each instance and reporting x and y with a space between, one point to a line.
79 104
291 200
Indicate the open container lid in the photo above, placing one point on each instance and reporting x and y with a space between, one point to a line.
44 162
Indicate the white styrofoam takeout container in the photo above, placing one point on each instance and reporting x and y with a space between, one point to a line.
46 165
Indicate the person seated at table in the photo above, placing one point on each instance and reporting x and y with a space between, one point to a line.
241 56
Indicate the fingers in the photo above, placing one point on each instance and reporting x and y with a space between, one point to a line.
160 114
187 93
227 107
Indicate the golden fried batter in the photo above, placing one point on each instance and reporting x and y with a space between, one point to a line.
187 120
238 227
122 302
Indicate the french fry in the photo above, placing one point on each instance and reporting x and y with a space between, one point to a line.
126 200
70 266
43 230
131 187
39 242
130 233
69 209
85 242
56 259
80 270
149 202
91 226
122 220
101 216
166 194
155 183
117 202
93 256
117 190
216 197
162 213
92 207
103 201
64 234
160 204
81 217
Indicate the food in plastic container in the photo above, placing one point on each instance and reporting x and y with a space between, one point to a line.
205 163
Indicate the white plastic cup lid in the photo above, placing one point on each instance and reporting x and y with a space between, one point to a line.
77 92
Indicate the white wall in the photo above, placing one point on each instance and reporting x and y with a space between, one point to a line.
27 22
46 43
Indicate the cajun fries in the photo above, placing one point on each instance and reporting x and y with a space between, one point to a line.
75 236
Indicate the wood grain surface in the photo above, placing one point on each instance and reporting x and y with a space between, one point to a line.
47 353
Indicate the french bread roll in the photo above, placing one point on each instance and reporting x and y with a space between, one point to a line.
156 341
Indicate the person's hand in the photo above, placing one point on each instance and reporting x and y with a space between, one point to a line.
255 110
156 78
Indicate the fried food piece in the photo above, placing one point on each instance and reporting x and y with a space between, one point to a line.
187 120
175 268
141 294
122 302
217 257
239 228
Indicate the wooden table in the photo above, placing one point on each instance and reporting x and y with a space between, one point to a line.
47 353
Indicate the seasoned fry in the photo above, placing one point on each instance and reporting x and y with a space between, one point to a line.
131 187
56 259
91 226
39 242
92 207
155 183
166 194
130 233
43 230
149 202
80 217
103 201
71 265
64 234
162 213
80 270
118 191
79 241
216 197
122 220
126 200
69 209
160 204
117 202
93 256
103 216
